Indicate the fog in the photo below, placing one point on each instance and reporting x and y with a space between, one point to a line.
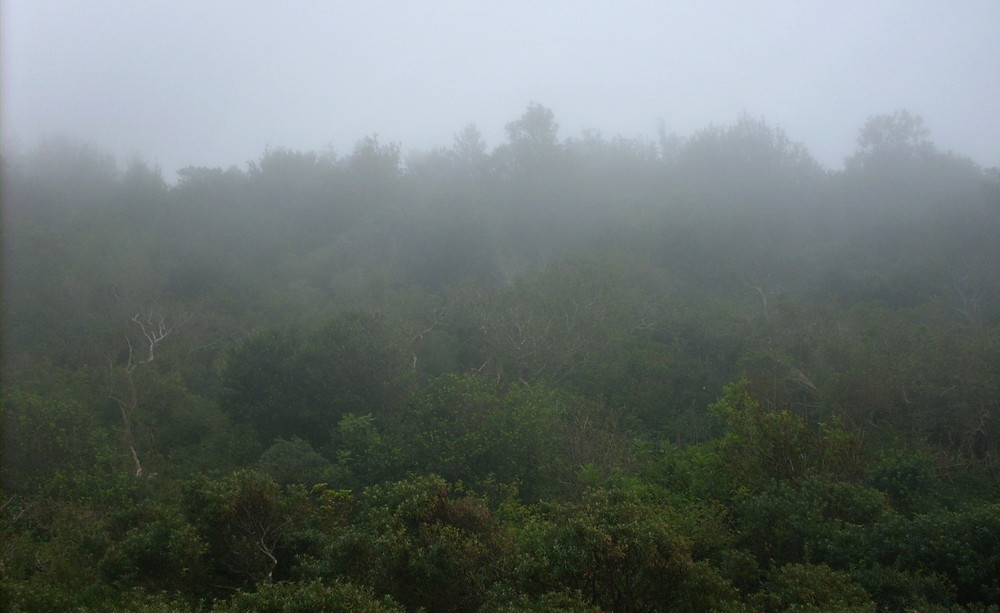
214 84
411 306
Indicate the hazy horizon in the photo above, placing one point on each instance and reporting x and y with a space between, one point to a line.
213 85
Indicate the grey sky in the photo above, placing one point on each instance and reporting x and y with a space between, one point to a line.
212 82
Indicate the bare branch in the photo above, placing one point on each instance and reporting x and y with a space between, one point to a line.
130 364
123 391
154 329
135 460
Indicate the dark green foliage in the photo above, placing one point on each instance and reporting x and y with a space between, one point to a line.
259 385
51 552
908 476
295 461
761 446
55 447
566 601
448 248
814 589
363 454
817 521
421 543
307 597
351 365
157 550
478 431
621 552
897 589
962 546
284 387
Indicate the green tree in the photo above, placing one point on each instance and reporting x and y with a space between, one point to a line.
422 543
760 445
247 520
534 135
259 385
808 588
51 551
620 552
155 548
285 387
55 447
376 168
353 364
749 165
897 165
474 430
818 521
295 461
307 597
962 546
898 136
469 150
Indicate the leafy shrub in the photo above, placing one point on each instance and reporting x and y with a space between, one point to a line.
308 597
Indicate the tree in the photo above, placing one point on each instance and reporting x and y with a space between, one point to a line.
750 165
374 162
555 321
289 180
76 175
295 461
532 143
469 150
259 385
243 518
124 391
535 130
621 552
306 597
286 387
53 446
961 545
899 136
155 547
762 445
818 520
475 430
422 543
896 163
446 248
353 364
808 588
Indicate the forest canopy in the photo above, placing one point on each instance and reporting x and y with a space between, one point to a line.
569 373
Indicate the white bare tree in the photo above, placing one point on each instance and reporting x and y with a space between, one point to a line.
153 330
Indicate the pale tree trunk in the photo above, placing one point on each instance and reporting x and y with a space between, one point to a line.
153 329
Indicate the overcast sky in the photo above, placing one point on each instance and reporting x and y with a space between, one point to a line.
214 82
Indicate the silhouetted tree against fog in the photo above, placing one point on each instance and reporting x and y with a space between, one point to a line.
455 171
896 163
470 152
74 171
532 142
748 164
375 162
885 139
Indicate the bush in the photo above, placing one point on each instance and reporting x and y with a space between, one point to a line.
808 588
308 597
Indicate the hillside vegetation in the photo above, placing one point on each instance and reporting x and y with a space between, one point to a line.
565 374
